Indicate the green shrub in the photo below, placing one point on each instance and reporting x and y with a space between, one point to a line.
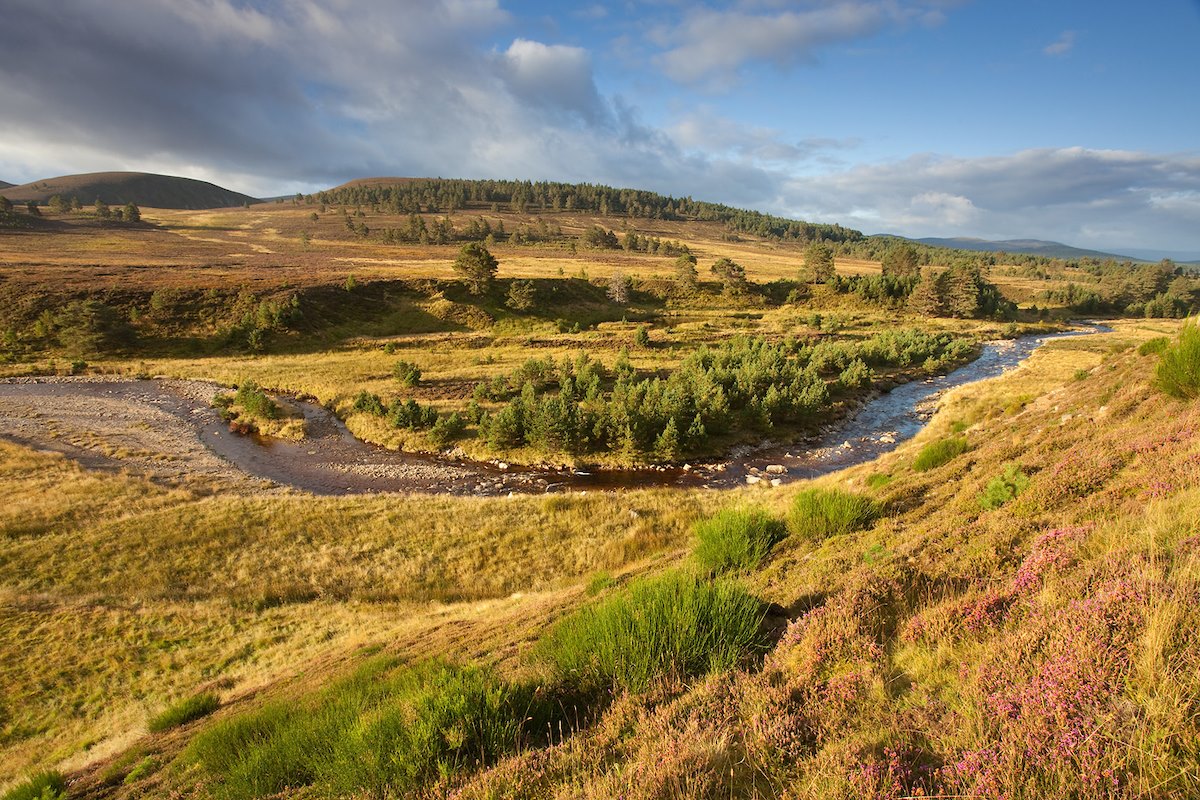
184 711
1003 488
1153 346
367 403
673 625
817 514
43 786
385 732
446 429
1178 373
937 453
255 402
407 373
736 539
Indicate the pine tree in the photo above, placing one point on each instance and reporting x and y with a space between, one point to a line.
926 297
666 447
477 267
961 291
685 272
818 258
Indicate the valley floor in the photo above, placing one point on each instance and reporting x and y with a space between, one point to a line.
1042 647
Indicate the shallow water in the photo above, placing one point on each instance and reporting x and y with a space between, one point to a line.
330 461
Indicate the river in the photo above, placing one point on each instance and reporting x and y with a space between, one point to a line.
143 416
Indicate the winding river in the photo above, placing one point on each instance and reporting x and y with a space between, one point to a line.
330 461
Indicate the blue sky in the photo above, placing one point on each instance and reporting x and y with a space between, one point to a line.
1074 121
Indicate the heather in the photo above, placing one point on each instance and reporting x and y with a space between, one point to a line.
1041 644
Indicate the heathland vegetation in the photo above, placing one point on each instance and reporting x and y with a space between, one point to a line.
1004 607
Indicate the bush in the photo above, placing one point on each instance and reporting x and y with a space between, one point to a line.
43 786
675 625
385 732
407 373
255 402
185 711
736 539
817 514
935 454
1153 346
447 429
1178 373
1003 488
367 403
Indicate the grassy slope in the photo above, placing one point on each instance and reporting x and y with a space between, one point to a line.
928 622
118 188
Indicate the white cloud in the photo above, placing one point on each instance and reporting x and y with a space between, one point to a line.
553 76
1062 45
711 46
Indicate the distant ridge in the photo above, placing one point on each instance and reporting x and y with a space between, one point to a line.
118 188
381 181
6 184
1037 247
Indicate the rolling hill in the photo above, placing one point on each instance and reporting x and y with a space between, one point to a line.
118 188
1037 247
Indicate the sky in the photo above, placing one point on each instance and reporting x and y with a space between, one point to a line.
1070 120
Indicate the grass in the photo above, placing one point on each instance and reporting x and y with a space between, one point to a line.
736 539
672 627
817 514
1178 371
43 786
943 451
1003 488
387 731
186 710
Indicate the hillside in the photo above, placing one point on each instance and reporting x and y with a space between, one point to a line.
6 184
1036 247
117 188
1015 619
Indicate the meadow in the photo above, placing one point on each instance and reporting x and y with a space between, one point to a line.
1003 607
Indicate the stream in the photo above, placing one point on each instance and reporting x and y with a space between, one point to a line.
174 417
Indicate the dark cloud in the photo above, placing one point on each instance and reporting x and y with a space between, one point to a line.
274 97
1100 198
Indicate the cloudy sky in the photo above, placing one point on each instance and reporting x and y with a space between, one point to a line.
1074 120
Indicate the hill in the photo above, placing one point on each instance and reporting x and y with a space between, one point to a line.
1037 247
118 188
6 184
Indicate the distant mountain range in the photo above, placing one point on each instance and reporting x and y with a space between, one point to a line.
1036 247
118 188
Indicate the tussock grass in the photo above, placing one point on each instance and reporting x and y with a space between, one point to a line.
736 539
816 514
1153 346
185 711
943 451
674 626
387 731
1178 372
43 786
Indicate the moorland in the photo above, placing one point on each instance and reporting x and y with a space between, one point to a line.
1004 606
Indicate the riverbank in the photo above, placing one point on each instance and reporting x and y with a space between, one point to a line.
168 431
